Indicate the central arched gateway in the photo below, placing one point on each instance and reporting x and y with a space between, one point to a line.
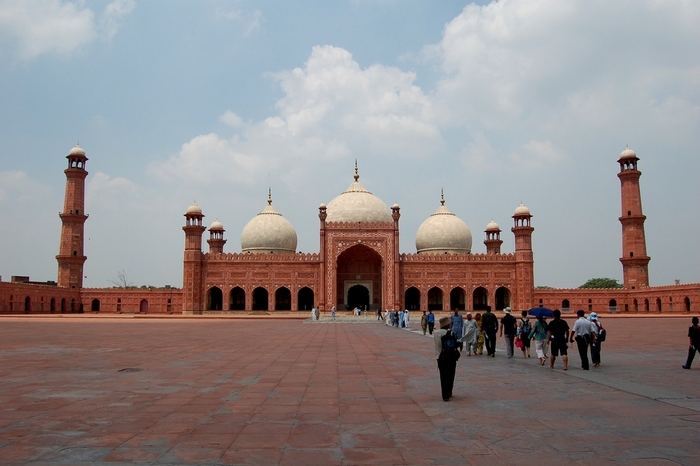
359 278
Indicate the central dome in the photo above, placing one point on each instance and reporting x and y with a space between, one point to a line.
358 205
269 232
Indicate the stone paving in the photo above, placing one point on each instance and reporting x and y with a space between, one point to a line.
227 391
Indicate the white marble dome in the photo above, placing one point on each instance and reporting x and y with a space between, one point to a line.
492 226
194 209
357 205
628 153
443 233
216 225
522 210
269 232
77 150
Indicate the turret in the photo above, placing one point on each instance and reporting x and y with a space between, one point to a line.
524 260
493 238
216 239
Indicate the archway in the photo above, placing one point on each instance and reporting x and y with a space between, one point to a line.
52 305
412 299
358 296
480 299
72 306
215 299
27 305
95 305
565 305
283 299
143 306
305 299
63 305
435 299
457 299
236 300
687 304
260 299
636 305
502 298
646 305
658 304
359 265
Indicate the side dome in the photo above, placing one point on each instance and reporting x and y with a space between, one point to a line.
492 226
357 205
216 225
269 232
443 233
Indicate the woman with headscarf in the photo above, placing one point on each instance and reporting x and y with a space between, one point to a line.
480 336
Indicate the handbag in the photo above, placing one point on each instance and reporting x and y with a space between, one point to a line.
519 343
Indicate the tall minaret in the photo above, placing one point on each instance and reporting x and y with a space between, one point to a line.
524 260
192 280
70 253
635 262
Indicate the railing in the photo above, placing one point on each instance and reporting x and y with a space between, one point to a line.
613 309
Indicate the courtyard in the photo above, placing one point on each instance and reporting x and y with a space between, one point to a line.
116 390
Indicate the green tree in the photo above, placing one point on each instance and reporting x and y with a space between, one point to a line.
601 283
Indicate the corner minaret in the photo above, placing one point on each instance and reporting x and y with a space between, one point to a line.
192 280
524 260
635 262
216 239
71 256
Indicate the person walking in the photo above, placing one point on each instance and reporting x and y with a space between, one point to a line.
523 333
446 354
379 314
489 323
424 322
431 321
402 315
480 337
595 344
694 336
333 313
470 334
582 332
539 333
508 326
558 336
457 324
406 318
392 317
386 317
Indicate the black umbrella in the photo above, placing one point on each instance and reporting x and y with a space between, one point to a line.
540 312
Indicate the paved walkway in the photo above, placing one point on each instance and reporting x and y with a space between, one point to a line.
125 391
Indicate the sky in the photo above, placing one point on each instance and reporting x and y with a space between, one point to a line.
214 101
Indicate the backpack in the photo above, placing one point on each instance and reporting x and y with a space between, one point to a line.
601 332
449 347
525 328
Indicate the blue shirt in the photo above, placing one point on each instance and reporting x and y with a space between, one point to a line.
431 318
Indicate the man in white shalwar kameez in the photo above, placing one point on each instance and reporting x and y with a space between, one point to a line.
470 334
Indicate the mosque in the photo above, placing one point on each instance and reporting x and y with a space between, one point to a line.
358 264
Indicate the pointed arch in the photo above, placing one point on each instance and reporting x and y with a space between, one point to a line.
283 299
260 299
305 299
480 298
435 299
215 299
502 298
236 299
412 299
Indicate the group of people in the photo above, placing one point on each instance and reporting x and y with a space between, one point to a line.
400 319
471 334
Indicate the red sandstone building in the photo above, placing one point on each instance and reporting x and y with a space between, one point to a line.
358 264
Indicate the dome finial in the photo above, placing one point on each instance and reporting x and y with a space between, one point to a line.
269 196
442 196
356 176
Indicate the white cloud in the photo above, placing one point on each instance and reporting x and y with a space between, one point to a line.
40 27
250 22
18 188
331 108
110 20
